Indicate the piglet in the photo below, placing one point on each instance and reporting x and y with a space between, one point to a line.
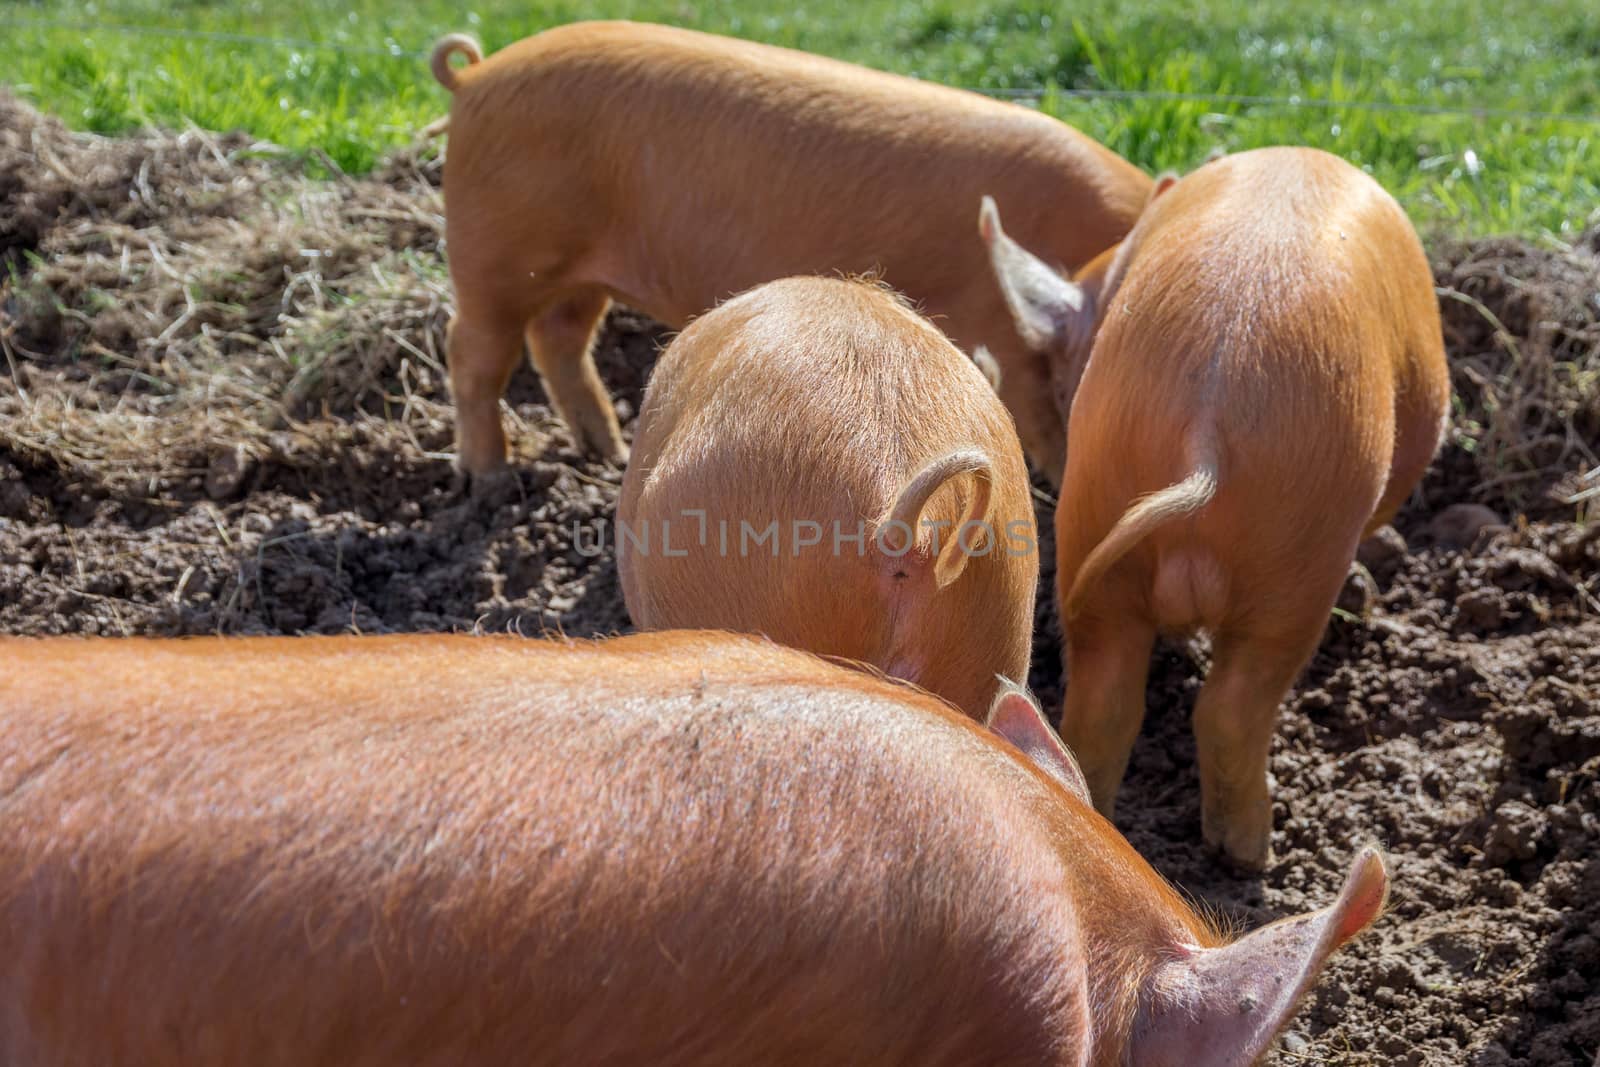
1256 380
815 462
669 169
669 848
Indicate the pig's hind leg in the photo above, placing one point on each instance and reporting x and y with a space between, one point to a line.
561 340
1422 413
1108 663
1235 718
483 347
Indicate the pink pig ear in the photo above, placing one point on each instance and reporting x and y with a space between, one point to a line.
1016 717
1223 1006
1047 309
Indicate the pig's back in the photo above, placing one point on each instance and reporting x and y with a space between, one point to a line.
1267 302
1272 270
1277 275
808 400
833 392
784 96
710 164
671 848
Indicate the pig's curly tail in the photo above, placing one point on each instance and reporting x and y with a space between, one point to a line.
449 45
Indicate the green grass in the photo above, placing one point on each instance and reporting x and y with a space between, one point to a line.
360 89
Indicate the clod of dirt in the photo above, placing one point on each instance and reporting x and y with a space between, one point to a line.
227 471
1381 553
1358 594
1482 610
1515 833
1459 525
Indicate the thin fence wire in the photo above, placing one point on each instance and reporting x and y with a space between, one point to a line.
395 51
1308 102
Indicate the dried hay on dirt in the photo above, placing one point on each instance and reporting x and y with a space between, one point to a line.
1522 324
200 277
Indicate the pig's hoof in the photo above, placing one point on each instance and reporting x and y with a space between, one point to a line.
1382 552
611 451
598 438
1247 857
491 486
1250 863
1246 852
1459 525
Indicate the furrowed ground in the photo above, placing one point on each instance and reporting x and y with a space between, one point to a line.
223 409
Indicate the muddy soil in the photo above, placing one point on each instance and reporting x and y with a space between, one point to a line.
170 465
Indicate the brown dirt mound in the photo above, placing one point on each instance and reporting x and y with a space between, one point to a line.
1522 324
223 409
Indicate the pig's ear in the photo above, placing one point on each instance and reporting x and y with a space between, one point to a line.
1046 307
1015 716
1217 1006
988 366
1168 179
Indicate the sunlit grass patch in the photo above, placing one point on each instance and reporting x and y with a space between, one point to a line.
348 82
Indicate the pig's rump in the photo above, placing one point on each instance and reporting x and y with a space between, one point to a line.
665 849
815 462
1281 379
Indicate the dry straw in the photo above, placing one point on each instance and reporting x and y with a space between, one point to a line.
199 290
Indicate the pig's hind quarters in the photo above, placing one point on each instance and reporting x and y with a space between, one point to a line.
484 345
